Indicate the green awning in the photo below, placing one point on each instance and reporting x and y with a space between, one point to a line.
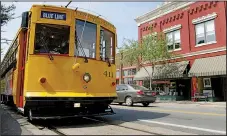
210 66
167 71
170 70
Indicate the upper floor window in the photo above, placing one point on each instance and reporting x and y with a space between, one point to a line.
173 40
125 72
132 71
85 39
205 32
107 45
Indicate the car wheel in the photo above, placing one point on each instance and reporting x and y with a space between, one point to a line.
145 104
129 101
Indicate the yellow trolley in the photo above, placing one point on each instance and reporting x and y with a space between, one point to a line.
61 64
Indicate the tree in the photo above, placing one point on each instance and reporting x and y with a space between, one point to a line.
7 13
153 50
130 52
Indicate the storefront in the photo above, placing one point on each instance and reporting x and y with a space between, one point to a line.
209 77
170 80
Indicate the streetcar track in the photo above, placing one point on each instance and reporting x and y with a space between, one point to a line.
122 126
55 130
42 124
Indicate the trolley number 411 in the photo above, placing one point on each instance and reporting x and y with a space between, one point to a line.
108 74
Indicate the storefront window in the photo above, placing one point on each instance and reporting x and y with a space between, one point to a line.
207 82
125 80
117 74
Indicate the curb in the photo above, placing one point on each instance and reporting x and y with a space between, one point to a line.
212 105
195 103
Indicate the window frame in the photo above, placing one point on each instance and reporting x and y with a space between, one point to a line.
113 48
172 33
205 33
208 79
53 54
75 44
121 87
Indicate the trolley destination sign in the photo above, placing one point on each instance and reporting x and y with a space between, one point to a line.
53 15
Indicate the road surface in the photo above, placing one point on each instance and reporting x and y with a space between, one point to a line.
158 118
190 118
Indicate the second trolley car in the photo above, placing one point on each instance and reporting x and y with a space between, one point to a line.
61 64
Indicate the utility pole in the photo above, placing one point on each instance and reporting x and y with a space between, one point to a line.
121 81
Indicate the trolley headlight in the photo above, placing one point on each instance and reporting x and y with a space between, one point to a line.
87 77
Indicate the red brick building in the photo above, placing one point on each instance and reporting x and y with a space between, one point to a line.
196 30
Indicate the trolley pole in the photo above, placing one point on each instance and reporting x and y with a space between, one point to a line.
1 53
0 66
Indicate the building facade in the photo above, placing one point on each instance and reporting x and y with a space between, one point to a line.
197 31
124 72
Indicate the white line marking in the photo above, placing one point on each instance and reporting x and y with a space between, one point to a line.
182 126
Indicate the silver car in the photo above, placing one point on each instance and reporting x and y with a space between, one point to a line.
131 94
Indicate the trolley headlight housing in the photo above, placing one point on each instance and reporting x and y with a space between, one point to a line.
87 77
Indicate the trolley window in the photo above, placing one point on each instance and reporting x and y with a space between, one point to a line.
85 39
52 39
107 45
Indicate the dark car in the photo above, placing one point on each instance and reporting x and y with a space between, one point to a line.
131 94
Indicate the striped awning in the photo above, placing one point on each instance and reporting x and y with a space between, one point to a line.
143 73
210 66
170 70
166 71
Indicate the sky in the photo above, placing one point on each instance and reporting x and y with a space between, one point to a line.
120 14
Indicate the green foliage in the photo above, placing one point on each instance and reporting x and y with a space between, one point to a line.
7 13
130 52
153 49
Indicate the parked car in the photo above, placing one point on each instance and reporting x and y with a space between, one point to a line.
131 94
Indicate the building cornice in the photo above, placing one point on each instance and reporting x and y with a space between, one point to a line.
161 11
208 51
202 52
204 18
172 28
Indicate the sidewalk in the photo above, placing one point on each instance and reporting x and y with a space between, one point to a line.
212 104
10 125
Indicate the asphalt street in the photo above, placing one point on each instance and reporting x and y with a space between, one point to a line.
191 118
158 118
